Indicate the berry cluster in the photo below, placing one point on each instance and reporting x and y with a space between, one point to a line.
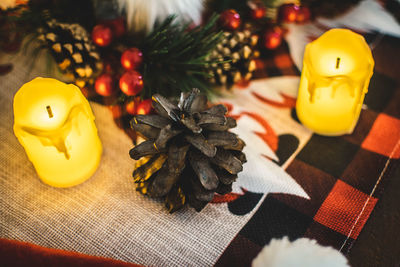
131 81
231 20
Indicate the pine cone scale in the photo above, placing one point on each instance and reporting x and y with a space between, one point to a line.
238 146
165 135
207 118
163 182
230 123
222 139
175 199
199 192
191 124
152 120
199 142
203 170
146 148
148 168
169 108
147 131
225 177
227 161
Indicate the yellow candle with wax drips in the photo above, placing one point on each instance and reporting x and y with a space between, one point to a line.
337 68
54 123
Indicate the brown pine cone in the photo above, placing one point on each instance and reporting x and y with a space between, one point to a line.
189 154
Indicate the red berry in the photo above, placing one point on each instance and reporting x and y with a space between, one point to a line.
230 19
288 12
272 38
131 83
131 106
104 85
258 11
144 107
102 35
131 58
303 15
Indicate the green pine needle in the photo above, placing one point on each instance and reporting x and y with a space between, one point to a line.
175 58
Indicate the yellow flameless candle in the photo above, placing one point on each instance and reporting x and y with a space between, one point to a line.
54 123
337 68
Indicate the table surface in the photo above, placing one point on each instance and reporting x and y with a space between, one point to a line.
377 243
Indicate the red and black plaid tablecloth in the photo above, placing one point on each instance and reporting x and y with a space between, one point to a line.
343 176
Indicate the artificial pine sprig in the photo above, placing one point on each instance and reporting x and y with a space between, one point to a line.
175 58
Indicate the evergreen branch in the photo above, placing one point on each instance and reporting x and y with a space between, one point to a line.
176 59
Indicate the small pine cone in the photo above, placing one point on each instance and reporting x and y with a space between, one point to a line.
73 50
238 48
189 154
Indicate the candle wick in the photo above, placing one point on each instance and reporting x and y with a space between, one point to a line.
337 62
49 111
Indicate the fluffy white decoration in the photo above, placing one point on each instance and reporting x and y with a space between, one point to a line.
368 16
141 15
4 4
301 252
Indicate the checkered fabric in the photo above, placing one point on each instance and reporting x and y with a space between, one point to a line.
342 175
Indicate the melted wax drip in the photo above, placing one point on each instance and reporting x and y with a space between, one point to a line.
334 83
59 143
311 91
54 138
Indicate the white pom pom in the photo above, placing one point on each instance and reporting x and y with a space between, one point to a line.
141 15
301 252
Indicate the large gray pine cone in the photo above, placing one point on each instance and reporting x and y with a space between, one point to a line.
189 154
